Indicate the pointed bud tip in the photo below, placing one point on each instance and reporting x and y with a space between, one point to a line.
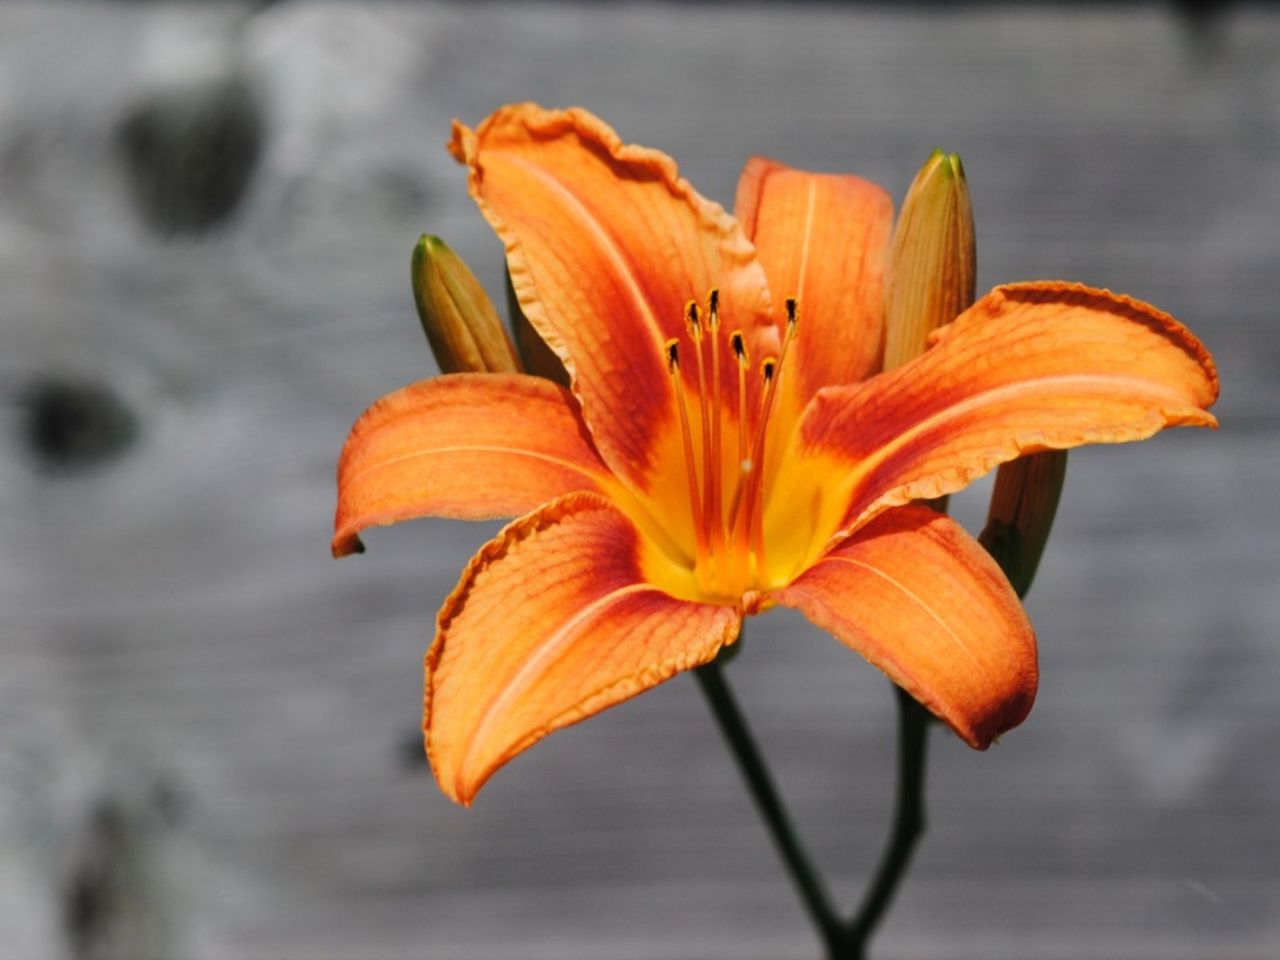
943 164
430 245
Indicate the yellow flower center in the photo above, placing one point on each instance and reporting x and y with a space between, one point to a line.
726 504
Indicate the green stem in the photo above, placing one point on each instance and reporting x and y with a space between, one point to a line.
734 728
908 824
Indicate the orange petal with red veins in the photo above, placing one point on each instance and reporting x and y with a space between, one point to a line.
553 621
823 238
605 245
916 595
471 446
1029 367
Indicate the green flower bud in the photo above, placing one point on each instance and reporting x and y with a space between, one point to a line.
932 261
460 321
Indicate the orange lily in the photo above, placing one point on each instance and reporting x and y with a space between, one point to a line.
718 453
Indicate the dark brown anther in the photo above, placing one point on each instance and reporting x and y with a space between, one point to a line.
692 319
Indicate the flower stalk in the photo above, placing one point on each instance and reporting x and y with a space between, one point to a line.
808 883
908 824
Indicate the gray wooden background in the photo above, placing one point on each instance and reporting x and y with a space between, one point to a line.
208 728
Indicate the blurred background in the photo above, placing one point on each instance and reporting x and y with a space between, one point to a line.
209 737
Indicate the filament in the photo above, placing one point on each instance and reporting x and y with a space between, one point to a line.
694 325
691 468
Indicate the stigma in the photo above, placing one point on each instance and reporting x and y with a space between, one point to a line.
726 497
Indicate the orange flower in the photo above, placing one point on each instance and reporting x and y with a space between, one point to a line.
718 453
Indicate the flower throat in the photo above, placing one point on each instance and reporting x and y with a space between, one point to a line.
730 542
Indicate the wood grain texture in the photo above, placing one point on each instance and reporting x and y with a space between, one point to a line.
193 692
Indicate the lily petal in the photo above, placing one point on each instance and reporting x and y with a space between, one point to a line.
470 446
553 621
916 595
605 244
1030 367
823 238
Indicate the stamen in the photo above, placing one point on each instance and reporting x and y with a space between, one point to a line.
744 364
695 505
713 467
744 463
694 324
751 465
753 497
772 372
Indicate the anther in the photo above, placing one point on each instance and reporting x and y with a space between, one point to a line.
767 369
793 316
673 355
692 321
744 363
713 309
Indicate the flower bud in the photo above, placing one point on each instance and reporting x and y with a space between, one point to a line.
932 261
460 321
1023 505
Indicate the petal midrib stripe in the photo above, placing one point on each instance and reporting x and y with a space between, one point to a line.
919 601
542 660
606 242
994 395
472 448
